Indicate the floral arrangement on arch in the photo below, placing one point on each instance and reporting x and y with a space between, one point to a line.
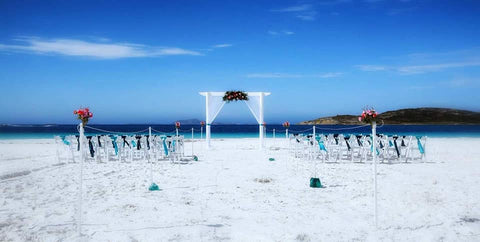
235 96
369 115
83 114
177 125
286 124
202 123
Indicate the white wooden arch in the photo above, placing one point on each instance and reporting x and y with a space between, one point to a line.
214 103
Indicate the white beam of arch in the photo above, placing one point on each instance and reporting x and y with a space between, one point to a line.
214 103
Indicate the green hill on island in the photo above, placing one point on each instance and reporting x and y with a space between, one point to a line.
409 116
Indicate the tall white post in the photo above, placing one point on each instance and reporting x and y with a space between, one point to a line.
151 162
374 155
314 132
80 190
201 133
192 142
261 120
274 137
207 119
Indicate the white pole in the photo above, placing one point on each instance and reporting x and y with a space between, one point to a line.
207 119
80 190
201 133
151 165
176 129
286 133
274 137
261 120
314 150
192 142
374 134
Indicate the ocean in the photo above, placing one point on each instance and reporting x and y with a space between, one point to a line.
235 131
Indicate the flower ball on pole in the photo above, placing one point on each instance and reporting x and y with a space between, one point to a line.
286 125
177 126
83 114
202 123
369 116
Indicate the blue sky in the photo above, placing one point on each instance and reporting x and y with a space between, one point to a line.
133 62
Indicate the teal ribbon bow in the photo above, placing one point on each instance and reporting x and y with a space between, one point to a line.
65 141
420 146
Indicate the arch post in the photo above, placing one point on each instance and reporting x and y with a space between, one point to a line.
261 120
207 119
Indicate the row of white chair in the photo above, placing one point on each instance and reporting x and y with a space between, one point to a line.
358 148
121 147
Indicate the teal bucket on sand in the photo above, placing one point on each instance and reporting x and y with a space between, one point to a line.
154 187
315 182
271 159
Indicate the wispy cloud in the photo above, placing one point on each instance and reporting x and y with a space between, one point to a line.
434 67
284 32
371 67
271 75
307 11
453 83
302 11
417 63
222 46
296 8
418 69
103 49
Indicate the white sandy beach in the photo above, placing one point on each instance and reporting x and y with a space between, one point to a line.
220 197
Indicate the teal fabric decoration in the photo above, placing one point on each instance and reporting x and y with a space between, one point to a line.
134 144
420 146
154 187
371 149
390 143
271 159
114 143
315 182
195 158
322 146
165 148
65 141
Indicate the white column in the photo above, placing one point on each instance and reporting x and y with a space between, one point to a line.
374 135
149 138
313 132
274 137
261 120
80 190
207 119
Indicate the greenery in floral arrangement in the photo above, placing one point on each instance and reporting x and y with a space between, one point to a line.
235 96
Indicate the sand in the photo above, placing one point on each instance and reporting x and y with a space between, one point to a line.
234 193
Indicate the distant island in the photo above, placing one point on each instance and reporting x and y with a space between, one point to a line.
408 116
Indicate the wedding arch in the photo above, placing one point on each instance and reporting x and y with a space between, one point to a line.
214 102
